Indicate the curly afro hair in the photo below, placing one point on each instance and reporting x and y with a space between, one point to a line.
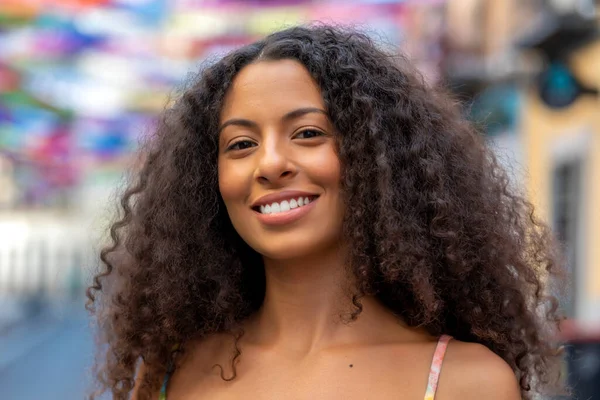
437 233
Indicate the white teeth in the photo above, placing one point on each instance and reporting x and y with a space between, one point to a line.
275 208
284 206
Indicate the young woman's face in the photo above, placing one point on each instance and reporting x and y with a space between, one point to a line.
279 173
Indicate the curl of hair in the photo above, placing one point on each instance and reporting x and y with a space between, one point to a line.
436 231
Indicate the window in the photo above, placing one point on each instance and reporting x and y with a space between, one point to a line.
566 205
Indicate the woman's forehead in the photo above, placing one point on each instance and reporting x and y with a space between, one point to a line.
271 86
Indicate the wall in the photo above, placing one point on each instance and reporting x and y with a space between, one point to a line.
552 136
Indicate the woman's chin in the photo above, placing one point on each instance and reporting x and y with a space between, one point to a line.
288 251
285 254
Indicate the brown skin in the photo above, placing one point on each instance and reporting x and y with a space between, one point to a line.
296 346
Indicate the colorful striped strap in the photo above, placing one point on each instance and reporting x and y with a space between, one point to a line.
170 370
163 389
436 366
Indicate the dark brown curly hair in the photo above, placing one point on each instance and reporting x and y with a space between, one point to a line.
437 233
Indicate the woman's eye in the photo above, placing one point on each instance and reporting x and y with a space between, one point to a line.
241 145
308 134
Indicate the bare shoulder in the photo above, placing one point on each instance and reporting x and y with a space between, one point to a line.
196 359
210 348
472 371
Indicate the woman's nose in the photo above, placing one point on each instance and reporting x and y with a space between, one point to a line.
274 163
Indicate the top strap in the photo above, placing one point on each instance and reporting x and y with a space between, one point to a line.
163 389
436 366
170 370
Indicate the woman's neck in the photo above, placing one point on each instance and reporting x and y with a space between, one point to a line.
303 303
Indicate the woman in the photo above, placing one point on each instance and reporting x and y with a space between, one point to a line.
313 222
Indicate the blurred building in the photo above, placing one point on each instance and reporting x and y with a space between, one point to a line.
530 72
561 132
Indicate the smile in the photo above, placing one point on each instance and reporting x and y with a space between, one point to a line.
286 205
284 211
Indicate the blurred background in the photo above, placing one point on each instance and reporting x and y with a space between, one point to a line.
81 81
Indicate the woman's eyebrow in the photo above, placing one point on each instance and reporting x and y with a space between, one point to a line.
302 111
246 123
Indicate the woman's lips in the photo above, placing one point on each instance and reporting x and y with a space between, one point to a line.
285 217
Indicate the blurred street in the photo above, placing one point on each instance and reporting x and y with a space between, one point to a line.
47 357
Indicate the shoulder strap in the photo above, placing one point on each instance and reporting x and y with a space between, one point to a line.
436 366
170 370
163 389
